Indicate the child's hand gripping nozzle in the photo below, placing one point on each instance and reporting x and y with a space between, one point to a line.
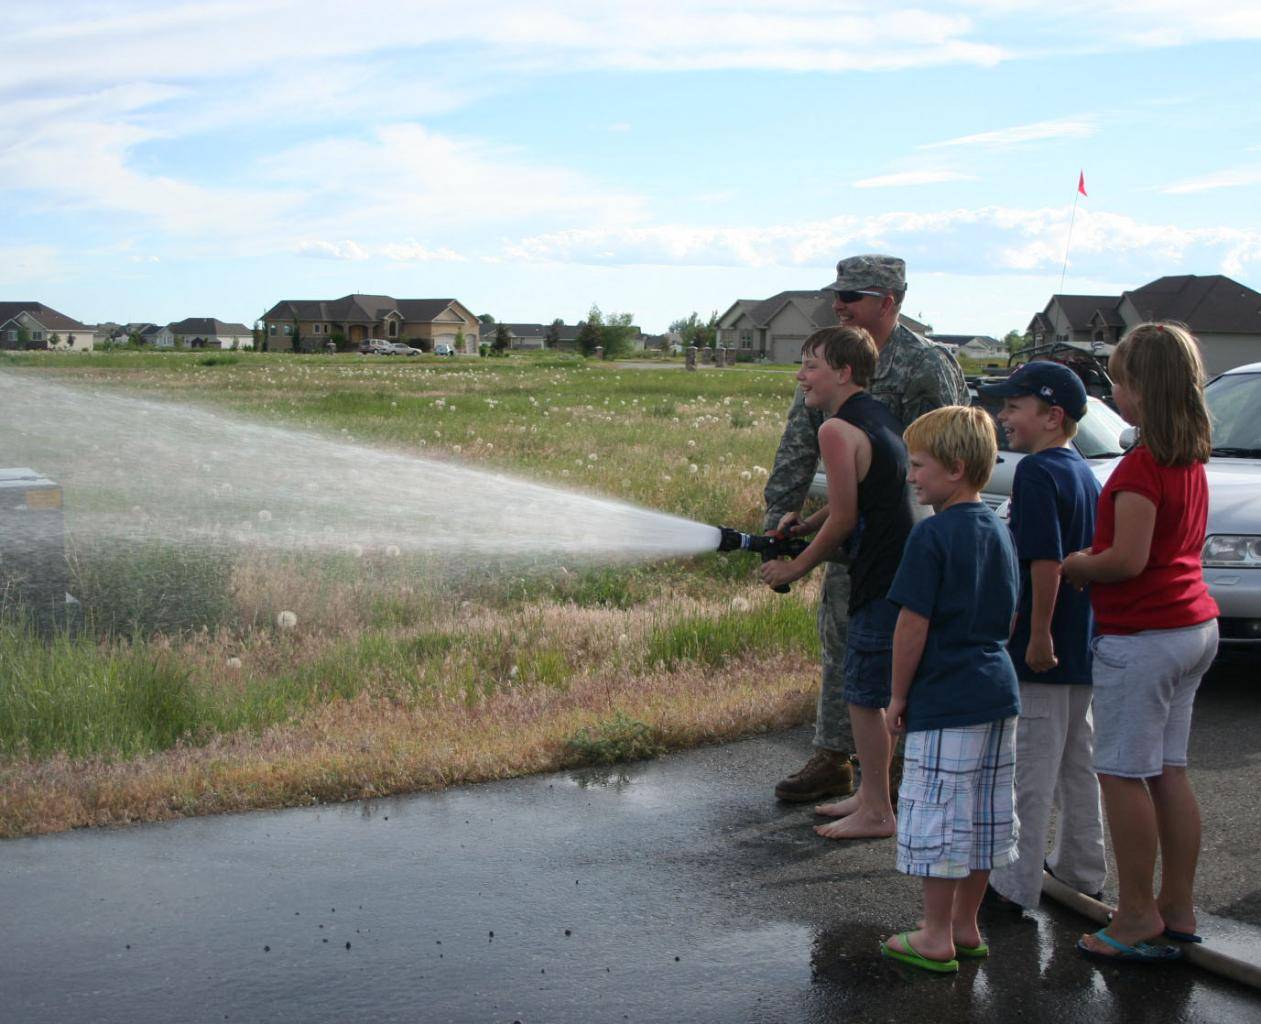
769 545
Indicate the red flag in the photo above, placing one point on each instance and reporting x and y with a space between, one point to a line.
1081 183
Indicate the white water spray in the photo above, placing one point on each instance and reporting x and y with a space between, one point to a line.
132 468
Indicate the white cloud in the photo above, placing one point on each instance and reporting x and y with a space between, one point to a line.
322 250
910 178
988 239
1220 179
619 126
1021 134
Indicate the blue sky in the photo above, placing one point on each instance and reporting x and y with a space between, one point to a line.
163 160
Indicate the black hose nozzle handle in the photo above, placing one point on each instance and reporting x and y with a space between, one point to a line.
769 545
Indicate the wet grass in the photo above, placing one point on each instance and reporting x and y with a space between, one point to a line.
182 694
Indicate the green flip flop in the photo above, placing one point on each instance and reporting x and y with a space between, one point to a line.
972 952
907 955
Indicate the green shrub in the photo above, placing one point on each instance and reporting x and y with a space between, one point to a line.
620 738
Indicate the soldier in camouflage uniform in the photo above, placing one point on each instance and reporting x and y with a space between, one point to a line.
913 376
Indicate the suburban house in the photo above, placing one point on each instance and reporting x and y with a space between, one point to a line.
309 324
207 332
1224 315
527 336
34 325
974 346
774 328
156 335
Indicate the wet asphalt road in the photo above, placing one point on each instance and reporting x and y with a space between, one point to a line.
676 890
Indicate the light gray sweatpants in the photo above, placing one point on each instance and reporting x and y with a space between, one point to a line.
1054 746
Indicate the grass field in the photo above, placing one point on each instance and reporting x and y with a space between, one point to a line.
393 680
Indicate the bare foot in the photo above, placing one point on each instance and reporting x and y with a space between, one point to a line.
860 825
968 936
839 808
923 946
1177 920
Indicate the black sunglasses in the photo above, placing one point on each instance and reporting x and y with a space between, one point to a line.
848 297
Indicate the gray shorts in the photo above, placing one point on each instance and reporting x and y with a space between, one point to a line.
1144 686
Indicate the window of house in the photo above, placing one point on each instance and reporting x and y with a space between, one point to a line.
10 335
746 339
392 329
271 329
288 330
316 328
37 335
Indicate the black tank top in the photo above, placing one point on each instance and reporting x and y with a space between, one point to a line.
885 515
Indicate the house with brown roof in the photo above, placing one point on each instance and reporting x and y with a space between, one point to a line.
34 325
1224 315
774 328
309 324
209 332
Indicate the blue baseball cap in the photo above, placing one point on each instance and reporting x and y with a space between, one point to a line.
1054 383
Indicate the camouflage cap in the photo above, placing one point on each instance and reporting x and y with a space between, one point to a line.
870 271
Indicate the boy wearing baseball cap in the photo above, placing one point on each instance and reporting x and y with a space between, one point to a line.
1053 500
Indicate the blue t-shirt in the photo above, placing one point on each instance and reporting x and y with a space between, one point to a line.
959 571
1053 499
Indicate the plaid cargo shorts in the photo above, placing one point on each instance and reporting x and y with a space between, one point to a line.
956 805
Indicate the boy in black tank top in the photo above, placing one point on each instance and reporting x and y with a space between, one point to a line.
869 508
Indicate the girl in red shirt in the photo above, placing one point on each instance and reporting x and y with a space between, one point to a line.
1156 630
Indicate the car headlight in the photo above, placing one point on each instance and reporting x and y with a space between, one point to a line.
1231 551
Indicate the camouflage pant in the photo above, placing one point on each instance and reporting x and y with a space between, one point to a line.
831 725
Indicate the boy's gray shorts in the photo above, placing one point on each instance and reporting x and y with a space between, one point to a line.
1144 686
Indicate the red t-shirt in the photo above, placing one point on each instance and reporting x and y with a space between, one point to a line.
1170 592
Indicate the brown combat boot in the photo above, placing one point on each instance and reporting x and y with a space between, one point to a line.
827 773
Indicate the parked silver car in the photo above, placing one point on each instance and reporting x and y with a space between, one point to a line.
1232 549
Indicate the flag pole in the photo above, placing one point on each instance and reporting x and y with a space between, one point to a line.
1081 191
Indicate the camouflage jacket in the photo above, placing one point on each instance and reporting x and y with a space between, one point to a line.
913 376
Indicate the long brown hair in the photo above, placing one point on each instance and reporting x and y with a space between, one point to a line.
1159 363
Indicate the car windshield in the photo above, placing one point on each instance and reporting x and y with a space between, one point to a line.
1234 410
1099 432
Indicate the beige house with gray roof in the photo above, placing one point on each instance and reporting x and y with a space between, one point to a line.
774 329
309 324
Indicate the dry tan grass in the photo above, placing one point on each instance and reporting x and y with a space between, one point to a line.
372 746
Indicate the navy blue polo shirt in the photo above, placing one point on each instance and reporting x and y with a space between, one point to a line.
1053 500
959 571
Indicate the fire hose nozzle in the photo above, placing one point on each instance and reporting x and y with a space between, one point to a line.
769 545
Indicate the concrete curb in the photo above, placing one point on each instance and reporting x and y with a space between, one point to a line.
1204 956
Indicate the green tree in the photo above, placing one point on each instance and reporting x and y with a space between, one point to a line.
502 339
591 331
694 331
1013 341
297 335
552 338
460 340
486 318
617 334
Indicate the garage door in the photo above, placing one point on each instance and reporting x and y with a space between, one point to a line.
786 348
446 339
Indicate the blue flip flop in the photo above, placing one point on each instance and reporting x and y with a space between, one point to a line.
1139 953
1177 936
